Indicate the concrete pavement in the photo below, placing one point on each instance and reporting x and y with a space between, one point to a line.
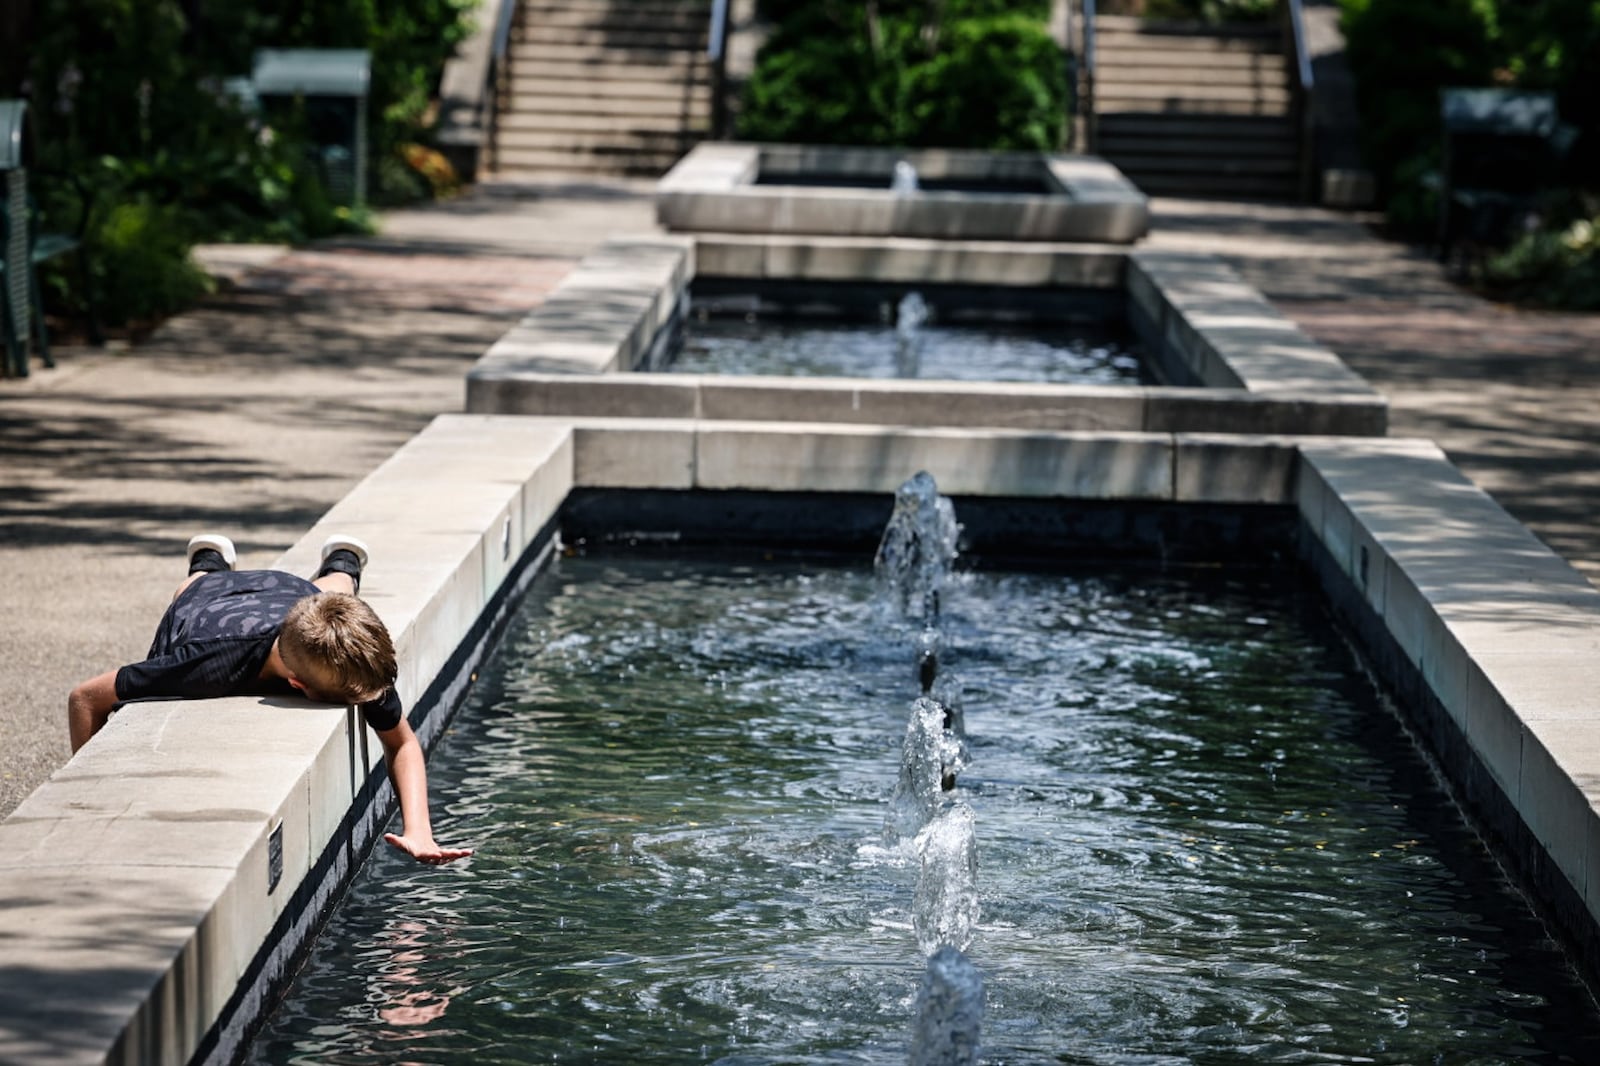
255 412
251 414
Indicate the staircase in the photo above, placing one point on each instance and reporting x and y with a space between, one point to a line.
602 88
1189 110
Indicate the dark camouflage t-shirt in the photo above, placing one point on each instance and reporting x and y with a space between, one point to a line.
215 638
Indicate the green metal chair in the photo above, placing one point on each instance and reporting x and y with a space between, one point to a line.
23 248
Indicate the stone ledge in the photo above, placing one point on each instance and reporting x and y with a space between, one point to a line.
1080 198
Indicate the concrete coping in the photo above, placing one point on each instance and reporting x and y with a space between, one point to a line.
1258 371
717 188
156 887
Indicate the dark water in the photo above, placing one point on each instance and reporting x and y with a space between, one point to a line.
1199 841
1059 354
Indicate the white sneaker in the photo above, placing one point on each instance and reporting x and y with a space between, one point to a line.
348 543
217 543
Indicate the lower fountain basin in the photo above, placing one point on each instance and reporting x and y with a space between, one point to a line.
1200 834
158 887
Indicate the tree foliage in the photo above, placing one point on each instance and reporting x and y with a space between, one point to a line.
132 121
945 73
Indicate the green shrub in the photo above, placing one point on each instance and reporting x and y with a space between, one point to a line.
1557 265
129 113
965 76
142 267
1402 53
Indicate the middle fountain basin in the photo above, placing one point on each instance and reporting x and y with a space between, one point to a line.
621 311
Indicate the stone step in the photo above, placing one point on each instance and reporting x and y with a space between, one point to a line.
564 63
1229 127
1133 26
613 162
527 83
1220 84
1111 143
619 16
1205 185
1256 95
578 37
1157 58
1165 100
511 121
540 108
610 140
1183 74
1206 163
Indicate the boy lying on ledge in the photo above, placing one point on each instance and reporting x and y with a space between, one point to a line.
263 633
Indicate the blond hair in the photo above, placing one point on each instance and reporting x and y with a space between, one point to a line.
336 642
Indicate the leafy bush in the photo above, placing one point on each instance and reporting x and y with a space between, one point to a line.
1555 266
129 112
142 267
960 75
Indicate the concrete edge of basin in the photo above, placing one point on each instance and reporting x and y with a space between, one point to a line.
128 864
714 188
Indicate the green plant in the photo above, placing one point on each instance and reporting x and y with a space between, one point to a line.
961 75
142 267
1557 265
131 115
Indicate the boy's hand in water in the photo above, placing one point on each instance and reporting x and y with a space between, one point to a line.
425 850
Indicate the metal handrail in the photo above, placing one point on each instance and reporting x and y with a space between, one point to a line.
502 29
1091 128
716 52
716 37
1302 55
1297 25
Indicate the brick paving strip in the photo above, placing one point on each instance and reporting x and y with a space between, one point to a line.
1511 395
251 414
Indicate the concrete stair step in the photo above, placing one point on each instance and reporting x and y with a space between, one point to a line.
1225 187
1223 84
1133 26
1182 105
1113 143
1166 124
1255 95
669 16
511 121
624 38
563 63
600 140
527 84
613 162
666 106
1155 58
1218 164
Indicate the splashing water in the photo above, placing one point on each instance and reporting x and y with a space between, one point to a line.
905 178
930 757
945 907
910 316
949 1012
918 548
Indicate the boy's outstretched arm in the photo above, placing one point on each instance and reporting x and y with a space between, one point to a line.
409 774
88 707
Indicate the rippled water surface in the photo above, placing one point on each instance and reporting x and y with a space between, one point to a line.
1063 355
1199 841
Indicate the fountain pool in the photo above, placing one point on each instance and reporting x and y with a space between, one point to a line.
888 332
1200 838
